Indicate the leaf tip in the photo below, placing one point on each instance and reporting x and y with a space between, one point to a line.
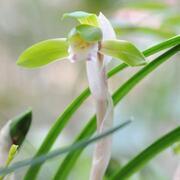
21 62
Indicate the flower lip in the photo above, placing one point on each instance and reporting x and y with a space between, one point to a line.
80 48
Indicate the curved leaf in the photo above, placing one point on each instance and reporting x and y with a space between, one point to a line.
163 45
146 155
123 50
44 53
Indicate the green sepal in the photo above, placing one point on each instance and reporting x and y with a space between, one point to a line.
83 17
123 50
44 53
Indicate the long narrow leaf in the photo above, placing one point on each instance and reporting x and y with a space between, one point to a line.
146 155
64 118
90 128
163 45
55 153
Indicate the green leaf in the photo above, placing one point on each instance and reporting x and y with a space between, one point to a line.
44 53
55 153
146 155
70 160
64 118
83 17
123 50
163 45
89 33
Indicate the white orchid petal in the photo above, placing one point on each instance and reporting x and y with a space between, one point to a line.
96 77
108 33
106 27
85 54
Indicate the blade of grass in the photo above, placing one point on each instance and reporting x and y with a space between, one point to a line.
55 153
146 155
163 45
63 119
70 160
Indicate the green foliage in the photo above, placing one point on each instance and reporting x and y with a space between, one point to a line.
55 153
146 155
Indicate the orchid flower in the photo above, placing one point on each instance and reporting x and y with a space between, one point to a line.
12 135
93 41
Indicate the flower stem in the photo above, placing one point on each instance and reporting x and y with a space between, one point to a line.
97 78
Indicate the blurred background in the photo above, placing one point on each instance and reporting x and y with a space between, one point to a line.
154 105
